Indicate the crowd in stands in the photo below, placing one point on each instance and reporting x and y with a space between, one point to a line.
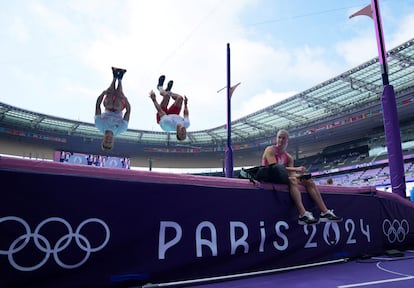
357 168
375 176
352 167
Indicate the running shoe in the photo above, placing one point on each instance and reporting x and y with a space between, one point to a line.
307 219
161 82
169 86
329 216
121 73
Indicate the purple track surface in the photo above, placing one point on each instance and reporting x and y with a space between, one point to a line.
376 272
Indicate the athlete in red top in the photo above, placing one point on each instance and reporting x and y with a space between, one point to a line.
277 154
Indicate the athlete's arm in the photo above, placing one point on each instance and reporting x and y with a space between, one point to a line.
128 110
99 102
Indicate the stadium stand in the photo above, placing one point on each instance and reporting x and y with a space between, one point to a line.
335 134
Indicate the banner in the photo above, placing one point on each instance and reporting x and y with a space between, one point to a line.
74 230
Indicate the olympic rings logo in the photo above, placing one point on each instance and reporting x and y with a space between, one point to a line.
395 230
44 245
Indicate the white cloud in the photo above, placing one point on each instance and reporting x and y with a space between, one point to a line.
259 102
18 30
404 31
358 50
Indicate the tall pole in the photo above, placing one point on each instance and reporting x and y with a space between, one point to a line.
382 52
389 106
390 113
229 150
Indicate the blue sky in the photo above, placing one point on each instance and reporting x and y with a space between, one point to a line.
56 55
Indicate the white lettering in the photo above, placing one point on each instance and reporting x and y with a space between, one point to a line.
242 240
206 236
365 231
309 243
212 244
285 242
350 227
262 236
162 245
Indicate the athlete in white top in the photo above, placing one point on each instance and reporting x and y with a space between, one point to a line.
112 123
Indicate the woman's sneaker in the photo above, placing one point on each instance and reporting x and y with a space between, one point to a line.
161 82
169 86
329 216
121 73
118 72
307 219
115 72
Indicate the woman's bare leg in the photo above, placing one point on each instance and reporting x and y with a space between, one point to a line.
314 194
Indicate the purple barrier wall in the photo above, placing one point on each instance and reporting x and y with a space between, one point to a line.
65 226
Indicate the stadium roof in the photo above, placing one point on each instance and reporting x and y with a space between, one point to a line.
351 91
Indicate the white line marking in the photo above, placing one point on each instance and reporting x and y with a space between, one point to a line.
376 282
